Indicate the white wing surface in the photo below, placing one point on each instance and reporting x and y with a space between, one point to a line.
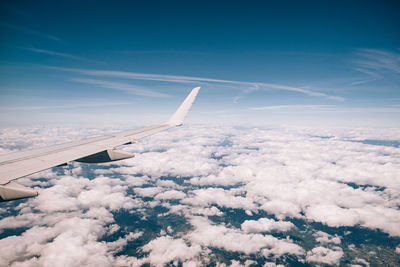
91 150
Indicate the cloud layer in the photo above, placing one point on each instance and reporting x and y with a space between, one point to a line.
205 194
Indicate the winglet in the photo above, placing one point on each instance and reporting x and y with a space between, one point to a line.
181 112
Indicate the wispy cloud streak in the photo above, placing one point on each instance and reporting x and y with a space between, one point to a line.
32 32
374 62
244 86
290 107
66 105
59 54
330 108
136 90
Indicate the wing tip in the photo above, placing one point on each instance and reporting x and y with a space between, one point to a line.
180 114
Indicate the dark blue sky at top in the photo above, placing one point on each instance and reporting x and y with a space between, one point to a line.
348 49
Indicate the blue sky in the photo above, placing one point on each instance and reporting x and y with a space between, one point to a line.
259 62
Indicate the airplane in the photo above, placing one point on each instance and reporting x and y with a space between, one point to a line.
91 150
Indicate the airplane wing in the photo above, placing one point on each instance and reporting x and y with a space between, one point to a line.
91 150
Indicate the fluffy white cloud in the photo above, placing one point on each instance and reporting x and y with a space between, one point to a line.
325 255
219 196
147 191
265 225
69 242
325 238
171 194
65 223
212 211
230 239
166 249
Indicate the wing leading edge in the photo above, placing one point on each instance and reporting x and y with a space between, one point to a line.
91 150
